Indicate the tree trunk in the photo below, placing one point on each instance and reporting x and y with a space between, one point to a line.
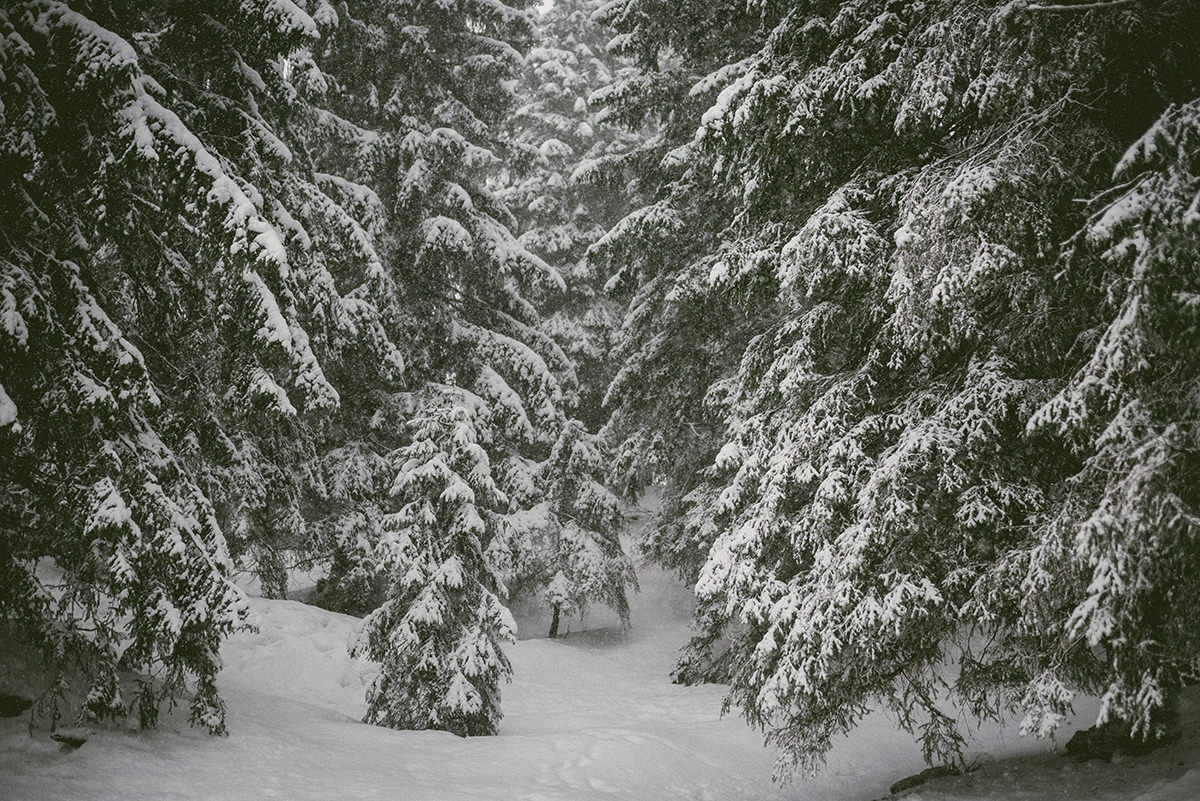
554 622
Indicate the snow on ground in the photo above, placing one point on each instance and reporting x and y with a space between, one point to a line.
592 716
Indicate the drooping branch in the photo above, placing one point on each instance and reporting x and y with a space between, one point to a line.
1079 6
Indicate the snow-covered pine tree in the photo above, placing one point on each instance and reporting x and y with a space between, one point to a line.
152 320
437 635
221 275
678 340
563 199
402 79
1127 519
369 335
568 184
949 436
578 553
417 94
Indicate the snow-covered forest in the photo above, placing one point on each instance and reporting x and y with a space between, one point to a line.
670 398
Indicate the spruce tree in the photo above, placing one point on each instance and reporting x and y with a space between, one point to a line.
579 553
416 96
942 417
256 263
437 635
154 343
567 184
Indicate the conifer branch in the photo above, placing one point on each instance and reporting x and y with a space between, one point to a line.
1079 6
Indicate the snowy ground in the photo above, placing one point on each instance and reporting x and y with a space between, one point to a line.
592 716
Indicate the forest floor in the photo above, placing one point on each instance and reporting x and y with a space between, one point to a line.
590 716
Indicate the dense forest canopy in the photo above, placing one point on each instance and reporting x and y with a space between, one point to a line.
899 303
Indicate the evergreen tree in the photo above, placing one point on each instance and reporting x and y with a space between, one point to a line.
578 555
568 184
417 93
665 418
253 242
157 369
437 636
943 417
